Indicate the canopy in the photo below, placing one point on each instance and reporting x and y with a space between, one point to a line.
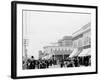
85 52
74 52
89 52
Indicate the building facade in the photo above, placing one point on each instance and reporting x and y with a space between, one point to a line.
82 41
65 41
62 50
82 37
57 51
70 46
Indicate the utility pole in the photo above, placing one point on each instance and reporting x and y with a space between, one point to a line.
25 52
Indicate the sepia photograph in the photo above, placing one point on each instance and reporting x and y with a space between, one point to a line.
53 39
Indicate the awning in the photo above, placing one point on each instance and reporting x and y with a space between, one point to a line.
47 56
76 52
73 53
89 52
85 52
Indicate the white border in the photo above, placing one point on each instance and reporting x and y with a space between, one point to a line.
21 72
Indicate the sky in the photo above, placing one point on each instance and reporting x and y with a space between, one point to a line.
43 28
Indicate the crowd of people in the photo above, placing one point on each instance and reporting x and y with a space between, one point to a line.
48 63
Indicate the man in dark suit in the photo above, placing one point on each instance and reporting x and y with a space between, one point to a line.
32 63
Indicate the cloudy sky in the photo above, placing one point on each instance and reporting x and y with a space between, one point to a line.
43 28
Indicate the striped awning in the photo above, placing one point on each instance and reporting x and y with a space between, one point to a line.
74 53
85 52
